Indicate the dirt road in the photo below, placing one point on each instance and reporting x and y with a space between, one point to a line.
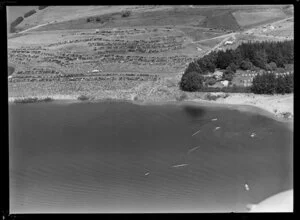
35 27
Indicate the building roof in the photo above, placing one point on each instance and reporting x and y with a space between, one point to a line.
228 42
225 82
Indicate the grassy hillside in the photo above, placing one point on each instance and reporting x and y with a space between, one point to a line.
219 17
66 13
223 20
197 34
174 16
248 18
15 11
66 47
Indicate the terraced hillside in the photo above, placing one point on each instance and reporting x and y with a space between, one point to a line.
120 47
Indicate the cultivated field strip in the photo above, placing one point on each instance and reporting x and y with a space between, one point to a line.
70 61
32 76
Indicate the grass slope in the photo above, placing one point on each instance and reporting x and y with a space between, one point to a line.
247 18
221 21
64 49
219 17
15 11
66 13
176 16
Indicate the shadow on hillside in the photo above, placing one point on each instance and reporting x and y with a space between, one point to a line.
10 70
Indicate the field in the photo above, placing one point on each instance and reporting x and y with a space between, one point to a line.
197 34
246 19
114 18
123 50
282 29
74 49
211 42
13 12
63 18
64 13
224 21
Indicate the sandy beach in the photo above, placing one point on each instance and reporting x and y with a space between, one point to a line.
280 106
276 104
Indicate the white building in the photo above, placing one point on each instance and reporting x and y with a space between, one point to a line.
228 42
95 71
225 83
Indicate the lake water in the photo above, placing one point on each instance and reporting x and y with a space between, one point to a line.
123 157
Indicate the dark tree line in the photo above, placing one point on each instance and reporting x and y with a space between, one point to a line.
264 55
31 12
15 23
247 56
268 83
101 19
191 81
18 20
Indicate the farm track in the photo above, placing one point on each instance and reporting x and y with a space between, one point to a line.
242 32
221 43
221 36
35 27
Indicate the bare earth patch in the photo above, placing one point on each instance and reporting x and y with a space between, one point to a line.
276 104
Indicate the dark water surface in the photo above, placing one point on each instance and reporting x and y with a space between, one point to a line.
122 157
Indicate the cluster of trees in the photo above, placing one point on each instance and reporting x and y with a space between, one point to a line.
18 20
191 81
31 12
268 83
15 23
101 19
265 55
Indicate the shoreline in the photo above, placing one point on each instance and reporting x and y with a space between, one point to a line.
262 104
